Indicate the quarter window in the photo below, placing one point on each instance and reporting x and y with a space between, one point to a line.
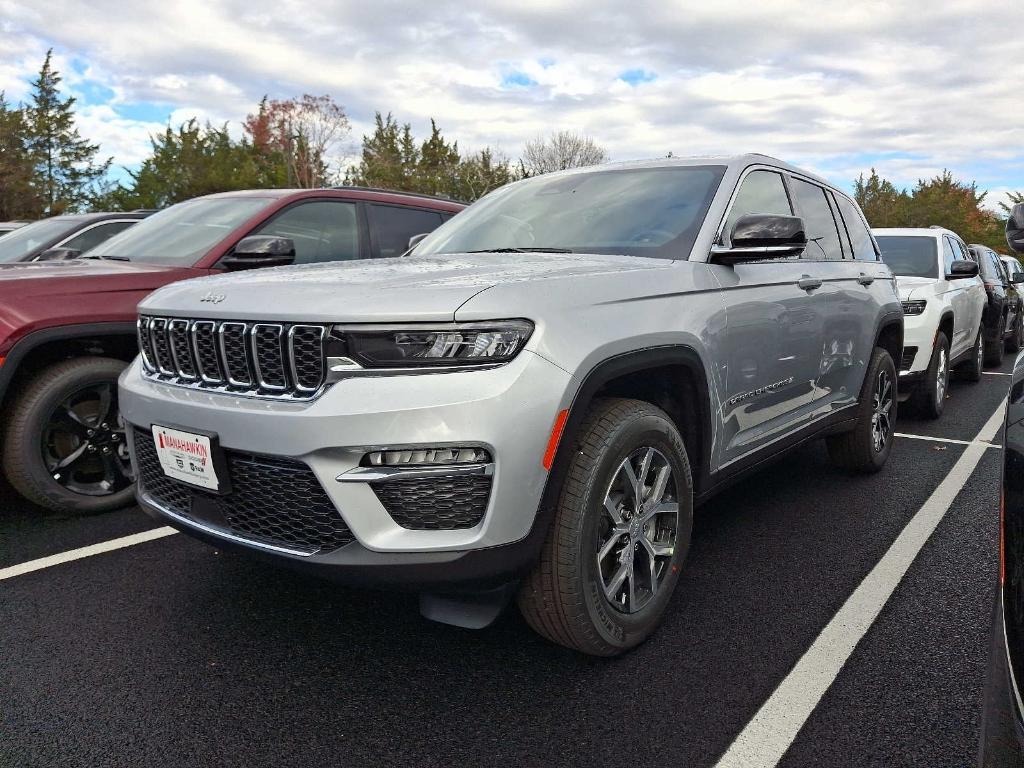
392 226
93 236
820 227
860 238
323 230
760 192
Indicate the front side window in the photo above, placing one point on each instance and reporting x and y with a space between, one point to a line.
322 230
652 212
760 192
910 255
93 236
950 253
997 267
820 227
391 226
860 237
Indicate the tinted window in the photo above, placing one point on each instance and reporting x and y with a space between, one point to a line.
21 242
760 192
323 230
860 238
910 255
950 253
822 235
653 212
183 233
392 226
996 265
93 236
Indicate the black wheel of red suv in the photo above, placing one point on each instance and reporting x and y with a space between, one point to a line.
866 447
620 533
64 447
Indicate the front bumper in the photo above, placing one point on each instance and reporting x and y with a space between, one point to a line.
918 335
509 410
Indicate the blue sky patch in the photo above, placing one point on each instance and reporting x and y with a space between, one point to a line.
143 111
637 76
516 79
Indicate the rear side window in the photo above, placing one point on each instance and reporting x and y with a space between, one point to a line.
860 238
820 226
391 226
90 238
322 230
760 192
997 271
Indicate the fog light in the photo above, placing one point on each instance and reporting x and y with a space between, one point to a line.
426 457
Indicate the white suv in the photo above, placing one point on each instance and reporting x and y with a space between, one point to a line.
943 301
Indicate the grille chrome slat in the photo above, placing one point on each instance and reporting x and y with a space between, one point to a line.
272 360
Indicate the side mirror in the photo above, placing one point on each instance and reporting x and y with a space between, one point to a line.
58 254
1015 228
259 251
962 268
416 240
760 236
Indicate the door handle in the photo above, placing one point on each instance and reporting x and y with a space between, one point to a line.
865 279
809 283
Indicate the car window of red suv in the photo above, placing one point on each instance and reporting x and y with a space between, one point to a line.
322 230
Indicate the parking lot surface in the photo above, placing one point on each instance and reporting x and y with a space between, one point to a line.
171 653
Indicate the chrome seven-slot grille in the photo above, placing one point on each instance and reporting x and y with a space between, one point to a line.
251 358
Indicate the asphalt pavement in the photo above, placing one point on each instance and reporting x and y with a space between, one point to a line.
172 653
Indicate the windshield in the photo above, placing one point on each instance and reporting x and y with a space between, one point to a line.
23 241
653 212
181 234
910 255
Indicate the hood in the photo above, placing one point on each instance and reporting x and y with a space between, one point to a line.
906 285
77 276
397 289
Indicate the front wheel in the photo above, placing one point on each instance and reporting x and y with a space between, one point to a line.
64 448
994 349
866 447
620 533
973 369
929 398
1016 340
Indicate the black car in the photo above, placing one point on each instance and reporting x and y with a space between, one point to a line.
64 236
1002 722
1002 321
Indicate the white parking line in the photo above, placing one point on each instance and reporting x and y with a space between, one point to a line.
89 551
765 739
982 443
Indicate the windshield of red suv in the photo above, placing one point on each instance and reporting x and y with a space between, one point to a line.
654 212
19 243
181 234
910 255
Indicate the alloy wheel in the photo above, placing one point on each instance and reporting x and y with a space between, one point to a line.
881 418
83 443
637 530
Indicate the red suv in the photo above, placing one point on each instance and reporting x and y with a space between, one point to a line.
68 328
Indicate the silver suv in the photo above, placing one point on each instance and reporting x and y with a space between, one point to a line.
532 402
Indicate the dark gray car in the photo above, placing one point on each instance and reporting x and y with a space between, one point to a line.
72 234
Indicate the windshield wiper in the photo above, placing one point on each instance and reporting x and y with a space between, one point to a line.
108 258
522 250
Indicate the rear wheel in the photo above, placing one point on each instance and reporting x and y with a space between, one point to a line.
866 447
1016 340
64 447
620 532
929 399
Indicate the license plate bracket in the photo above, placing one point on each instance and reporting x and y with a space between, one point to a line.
192 457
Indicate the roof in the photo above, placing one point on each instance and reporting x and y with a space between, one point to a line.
932 231
358 193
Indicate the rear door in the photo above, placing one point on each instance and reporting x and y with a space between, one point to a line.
774 315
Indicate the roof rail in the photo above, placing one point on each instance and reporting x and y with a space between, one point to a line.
396 192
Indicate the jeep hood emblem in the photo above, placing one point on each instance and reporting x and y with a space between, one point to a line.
213 298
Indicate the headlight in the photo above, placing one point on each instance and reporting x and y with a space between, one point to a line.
914 307
448 345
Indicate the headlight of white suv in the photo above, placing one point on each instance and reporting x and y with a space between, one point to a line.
443 345
914 307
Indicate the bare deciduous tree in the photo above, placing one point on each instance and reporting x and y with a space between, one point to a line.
561 150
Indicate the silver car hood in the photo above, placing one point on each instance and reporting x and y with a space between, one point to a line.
402 289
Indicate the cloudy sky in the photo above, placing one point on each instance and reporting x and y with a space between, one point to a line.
907 87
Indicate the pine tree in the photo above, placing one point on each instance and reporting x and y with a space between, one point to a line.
66 164
19 197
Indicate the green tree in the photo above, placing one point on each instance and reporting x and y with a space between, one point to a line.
1014 197
19 196
882 203
956 205
65 164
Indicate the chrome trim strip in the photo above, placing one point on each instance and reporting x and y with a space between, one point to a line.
174 352
382 474
156 348
195 350
256 357
224 353
291 356
142 331
220 532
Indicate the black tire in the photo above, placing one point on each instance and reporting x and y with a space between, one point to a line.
973 368
994 350
857 449
56 417
564 598
1016 340
929 398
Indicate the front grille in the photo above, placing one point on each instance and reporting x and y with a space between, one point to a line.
907 362
281 360
272 501
435 503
